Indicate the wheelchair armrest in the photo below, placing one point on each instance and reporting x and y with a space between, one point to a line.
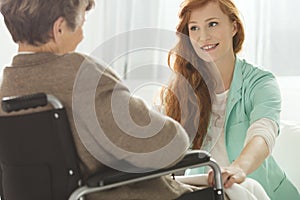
111 176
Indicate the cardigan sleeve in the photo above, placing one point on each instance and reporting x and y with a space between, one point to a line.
265 98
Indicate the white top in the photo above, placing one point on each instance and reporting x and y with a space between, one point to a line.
26 52
218 148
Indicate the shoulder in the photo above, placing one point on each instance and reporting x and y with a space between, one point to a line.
251 70
80 58
253 75
88 63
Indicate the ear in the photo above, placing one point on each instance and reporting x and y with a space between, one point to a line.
58 29
234 28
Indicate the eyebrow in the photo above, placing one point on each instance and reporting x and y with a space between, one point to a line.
209 19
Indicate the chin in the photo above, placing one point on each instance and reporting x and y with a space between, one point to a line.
206 57
209 59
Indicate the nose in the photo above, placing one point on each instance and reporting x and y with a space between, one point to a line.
204 35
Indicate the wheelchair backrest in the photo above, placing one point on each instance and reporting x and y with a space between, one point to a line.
38 159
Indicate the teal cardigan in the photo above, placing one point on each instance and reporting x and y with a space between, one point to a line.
254 94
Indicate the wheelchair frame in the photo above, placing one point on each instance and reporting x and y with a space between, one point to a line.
99 181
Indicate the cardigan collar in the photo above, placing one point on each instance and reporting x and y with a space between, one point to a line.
237 79
33 59
236 85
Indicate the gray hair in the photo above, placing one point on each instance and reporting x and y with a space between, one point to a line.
31 21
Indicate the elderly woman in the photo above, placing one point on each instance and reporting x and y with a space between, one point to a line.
47 33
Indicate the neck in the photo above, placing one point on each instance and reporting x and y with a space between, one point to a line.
225 68
24 47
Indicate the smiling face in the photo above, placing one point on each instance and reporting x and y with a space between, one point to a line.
211 33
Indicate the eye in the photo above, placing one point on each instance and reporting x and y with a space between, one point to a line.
194 28
212 24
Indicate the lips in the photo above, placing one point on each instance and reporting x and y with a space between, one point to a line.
209 47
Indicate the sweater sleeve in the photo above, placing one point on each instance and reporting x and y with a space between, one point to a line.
264 128
119 129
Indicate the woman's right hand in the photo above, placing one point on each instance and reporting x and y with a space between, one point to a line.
230 175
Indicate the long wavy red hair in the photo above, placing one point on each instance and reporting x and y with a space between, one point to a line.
177 100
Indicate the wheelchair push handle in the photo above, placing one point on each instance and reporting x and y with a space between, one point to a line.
16 103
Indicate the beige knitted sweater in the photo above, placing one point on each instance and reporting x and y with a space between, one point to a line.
56 74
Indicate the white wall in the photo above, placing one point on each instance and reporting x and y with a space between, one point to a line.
287 145
7 47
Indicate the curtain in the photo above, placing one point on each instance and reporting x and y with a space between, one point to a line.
112 20
133 37
7 47
272 34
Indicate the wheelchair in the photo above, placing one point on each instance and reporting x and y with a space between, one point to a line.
38 159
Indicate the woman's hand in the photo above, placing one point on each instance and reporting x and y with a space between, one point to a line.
251 157
230 175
